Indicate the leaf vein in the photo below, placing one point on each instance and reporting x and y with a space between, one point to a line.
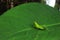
52 24
36 36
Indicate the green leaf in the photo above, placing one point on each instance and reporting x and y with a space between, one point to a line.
17 23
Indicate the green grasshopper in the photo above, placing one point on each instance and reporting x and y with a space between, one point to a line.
38 26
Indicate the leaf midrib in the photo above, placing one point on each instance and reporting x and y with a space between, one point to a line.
51 24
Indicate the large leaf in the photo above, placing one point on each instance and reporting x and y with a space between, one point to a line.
18 23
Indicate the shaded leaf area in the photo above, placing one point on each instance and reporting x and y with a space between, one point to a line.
17 23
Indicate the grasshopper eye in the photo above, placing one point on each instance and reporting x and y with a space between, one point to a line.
38 25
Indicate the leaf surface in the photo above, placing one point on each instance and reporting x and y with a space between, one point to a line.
17 23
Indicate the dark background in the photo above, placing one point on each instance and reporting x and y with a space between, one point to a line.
7 4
